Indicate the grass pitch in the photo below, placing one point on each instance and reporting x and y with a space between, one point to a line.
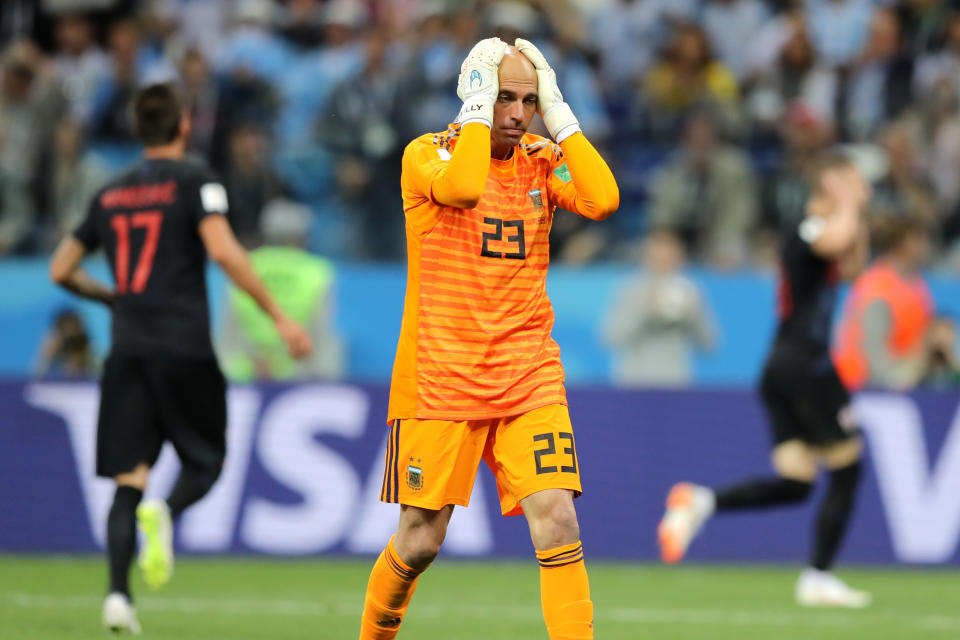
59 598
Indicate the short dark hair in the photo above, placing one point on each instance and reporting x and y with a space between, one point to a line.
157 110
823 162
890 229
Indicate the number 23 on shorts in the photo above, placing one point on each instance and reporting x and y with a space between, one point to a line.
551 460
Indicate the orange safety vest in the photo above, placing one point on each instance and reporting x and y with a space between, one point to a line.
911 308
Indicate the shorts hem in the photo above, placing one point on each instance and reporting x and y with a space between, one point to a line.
432 505
826 441
518 510
108 472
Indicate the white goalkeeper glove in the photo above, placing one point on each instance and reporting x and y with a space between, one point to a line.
478 85
556 114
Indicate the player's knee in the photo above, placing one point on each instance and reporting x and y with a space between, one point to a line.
843 454
555 526
795 460
420 536
137 478
419 547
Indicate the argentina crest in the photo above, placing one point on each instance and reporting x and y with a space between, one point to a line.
536 199
414 477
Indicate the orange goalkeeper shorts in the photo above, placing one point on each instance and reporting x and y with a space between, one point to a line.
433 463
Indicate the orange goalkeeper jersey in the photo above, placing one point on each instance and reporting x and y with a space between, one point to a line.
475 340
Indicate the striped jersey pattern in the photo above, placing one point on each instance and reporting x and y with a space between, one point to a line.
475 341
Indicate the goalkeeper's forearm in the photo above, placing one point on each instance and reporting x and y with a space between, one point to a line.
597 193
460 184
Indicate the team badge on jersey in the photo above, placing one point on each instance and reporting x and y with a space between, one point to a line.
563 172
536 199
414 478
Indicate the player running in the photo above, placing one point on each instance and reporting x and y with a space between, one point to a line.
477 375
157 223
809 411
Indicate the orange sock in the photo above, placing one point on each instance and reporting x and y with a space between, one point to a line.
392 583
565 593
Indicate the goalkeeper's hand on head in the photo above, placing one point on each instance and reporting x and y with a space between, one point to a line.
478 85
556 114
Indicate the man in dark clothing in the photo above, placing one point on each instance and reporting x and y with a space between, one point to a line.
157 223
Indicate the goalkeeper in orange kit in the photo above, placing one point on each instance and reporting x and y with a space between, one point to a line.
477 375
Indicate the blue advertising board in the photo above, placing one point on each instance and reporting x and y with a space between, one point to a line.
369 304
305 464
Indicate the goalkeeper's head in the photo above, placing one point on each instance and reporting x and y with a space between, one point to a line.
516 102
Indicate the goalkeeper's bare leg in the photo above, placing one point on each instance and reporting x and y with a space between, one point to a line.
394 576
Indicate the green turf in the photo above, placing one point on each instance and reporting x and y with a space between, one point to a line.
236 599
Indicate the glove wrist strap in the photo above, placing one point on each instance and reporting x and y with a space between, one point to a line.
476 111
566 132
560 121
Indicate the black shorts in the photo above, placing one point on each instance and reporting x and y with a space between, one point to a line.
806 402
147 400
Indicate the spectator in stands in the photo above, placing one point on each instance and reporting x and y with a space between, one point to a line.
27 113
285 58
658 319
303 286
688 78
569 50
202 97
881 339
730 24
941 67
302 23
934 127
442 41
942 367
629 33
787 72
785 189
251 46
361 128
839 28
305 87
925 24
706 194
903 190
250 181
511 20
131 66
765 46
75 179
80 65
159 22
201 24
65 350
877 87
250 68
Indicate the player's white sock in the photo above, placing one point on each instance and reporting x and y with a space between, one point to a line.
119 614
817 588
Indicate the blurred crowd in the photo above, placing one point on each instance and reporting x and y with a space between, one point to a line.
708 110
